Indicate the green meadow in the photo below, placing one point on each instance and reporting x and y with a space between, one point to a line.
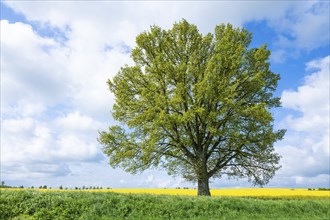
33 204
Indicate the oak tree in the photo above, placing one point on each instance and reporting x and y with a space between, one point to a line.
196 105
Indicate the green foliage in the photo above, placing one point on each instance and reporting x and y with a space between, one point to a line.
26 204
198 106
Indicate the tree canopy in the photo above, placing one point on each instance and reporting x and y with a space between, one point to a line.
196 105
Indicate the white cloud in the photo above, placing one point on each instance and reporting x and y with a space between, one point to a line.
306 150
304 27
32 67
297 23
74 122
117 19
53 97
31 147
312 99
29 140
35 78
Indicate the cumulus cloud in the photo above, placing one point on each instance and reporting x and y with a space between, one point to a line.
134 17
31 66
297 23
43 86
39 146
305 150
304 27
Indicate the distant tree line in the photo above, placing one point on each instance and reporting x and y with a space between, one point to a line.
3 185
319 189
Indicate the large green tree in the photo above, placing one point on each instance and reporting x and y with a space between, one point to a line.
198 106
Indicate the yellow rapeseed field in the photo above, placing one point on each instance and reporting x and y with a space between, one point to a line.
239 192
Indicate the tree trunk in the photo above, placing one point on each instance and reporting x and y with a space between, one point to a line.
203 187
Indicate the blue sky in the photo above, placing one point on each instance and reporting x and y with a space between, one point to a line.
56 57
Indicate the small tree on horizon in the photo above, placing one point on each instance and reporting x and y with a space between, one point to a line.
198 106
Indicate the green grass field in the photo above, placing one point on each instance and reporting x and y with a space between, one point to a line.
32 204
